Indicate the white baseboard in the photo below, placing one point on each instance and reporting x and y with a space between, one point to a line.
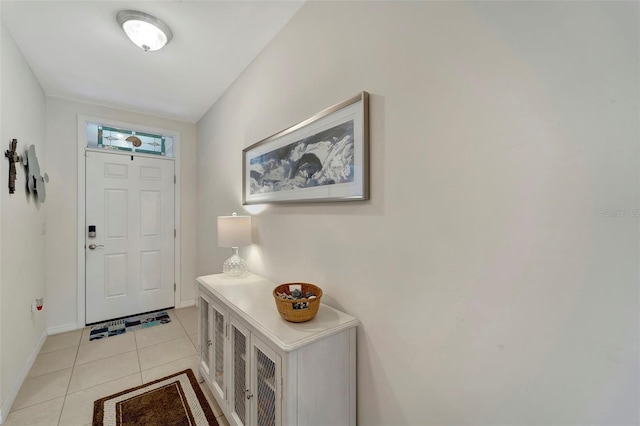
8 401
186 303
72 326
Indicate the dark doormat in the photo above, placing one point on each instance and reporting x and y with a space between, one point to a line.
171 401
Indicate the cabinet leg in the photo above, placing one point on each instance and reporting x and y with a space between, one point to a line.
200 376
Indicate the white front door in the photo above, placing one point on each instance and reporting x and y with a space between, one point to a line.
130 261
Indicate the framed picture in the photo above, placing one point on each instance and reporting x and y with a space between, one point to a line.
323 158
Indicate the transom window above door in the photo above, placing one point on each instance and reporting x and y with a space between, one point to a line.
112 138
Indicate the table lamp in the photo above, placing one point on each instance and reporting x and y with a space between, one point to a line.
234 231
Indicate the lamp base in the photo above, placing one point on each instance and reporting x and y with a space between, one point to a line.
234 266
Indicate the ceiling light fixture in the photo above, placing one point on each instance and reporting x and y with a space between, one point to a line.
145 31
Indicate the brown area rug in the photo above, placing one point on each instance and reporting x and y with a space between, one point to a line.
173 400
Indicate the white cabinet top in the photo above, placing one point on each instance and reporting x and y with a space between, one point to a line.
250 298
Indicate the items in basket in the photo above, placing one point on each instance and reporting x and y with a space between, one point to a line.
297 302
296 294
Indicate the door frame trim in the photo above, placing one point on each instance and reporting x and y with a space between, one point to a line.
82 147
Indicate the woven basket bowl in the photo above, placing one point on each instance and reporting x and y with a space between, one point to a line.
285 306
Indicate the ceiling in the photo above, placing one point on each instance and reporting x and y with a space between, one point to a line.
78 51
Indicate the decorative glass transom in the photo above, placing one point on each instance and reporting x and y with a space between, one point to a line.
106 137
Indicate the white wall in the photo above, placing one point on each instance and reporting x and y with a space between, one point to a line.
492 285
22 277
62 201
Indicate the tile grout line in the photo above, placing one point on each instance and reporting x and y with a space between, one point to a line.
170 340
76 356
102 357
57 350
78 346
168 362
135 340
180 320
166 341
66 392
33 405
52 371
165 363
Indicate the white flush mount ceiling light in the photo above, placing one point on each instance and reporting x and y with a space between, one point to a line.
145 31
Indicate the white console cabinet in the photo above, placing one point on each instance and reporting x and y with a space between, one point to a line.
266 371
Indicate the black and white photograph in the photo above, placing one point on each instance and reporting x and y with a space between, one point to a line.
324 159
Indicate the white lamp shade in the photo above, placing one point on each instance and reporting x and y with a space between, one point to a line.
234 231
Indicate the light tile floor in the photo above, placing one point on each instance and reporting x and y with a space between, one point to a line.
71 372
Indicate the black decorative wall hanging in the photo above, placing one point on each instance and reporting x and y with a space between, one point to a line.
13 157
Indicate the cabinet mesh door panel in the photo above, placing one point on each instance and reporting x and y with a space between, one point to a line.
219 348
204 339
239 374
266 396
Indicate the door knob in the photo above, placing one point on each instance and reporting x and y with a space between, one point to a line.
93 246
